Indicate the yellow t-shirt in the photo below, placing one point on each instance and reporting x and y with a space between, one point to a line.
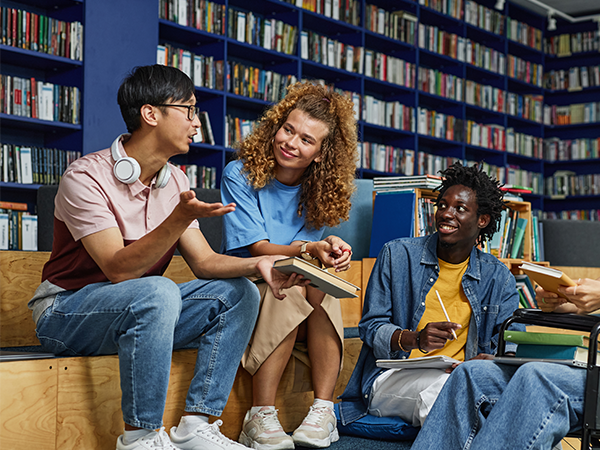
449 285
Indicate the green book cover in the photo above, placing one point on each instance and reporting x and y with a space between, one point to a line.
528 337
518 241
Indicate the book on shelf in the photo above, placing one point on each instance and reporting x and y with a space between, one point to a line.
538 338
319 278
518 242
13 205
525 287
422 362
547 277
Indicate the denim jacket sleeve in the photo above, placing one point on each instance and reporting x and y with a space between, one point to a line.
385 309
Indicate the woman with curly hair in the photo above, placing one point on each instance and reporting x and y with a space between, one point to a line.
292 177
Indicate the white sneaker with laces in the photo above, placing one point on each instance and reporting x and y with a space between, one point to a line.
318 429
152 441
262 431
205 437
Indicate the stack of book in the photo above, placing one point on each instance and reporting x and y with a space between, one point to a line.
564 348
393 184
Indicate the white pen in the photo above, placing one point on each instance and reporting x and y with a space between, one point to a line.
445 313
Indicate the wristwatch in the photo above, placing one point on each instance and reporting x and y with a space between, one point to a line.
307 256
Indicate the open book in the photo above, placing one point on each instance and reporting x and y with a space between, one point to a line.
547 277
320 278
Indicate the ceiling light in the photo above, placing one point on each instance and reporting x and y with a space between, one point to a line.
551 21
499 5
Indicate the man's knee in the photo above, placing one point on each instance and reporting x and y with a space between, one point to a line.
245 294
159 295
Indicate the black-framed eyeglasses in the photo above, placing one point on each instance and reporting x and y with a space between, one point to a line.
193 111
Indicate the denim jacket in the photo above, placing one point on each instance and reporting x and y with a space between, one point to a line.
403 274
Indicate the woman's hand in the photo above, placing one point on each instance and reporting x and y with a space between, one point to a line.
277 280
585 295
333 252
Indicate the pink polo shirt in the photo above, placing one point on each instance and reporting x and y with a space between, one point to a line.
90 199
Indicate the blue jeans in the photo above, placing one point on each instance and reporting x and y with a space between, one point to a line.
490 406
144 320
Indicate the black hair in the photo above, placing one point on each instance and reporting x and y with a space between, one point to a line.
151 85
487 192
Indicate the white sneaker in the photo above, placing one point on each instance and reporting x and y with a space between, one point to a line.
318 429
263 431
152 441
205 437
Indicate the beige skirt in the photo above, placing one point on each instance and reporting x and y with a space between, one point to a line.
278 318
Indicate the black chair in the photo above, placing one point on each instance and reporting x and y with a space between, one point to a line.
590 435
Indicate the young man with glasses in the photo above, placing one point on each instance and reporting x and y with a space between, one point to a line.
120 214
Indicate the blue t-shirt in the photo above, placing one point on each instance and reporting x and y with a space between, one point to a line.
269 213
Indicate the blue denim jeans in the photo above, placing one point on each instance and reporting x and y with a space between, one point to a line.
144 320
490 406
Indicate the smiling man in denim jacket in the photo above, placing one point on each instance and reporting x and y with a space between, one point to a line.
403 317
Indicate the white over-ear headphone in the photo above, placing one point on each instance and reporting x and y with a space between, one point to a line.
127 170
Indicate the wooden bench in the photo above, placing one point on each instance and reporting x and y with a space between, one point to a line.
75 403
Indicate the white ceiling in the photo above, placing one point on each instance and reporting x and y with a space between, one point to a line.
574 8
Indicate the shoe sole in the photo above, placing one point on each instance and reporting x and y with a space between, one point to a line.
303 441
249 442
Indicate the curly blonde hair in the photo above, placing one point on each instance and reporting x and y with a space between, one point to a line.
326 185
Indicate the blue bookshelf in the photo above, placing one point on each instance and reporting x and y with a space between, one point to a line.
120 35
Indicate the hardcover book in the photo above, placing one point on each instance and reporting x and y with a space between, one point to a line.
552 352
547 277
530 337
319 278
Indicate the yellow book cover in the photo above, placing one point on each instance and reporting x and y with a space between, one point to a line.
547 277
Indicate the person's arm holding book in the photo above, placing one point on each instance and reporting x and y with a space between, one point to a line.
583 298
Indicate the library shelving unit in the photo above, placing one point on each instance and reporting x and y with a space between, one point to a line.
501 100
20 62
574 87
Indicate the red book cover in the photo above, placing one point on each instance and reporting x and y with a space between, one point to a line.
14 27
34 99
27 42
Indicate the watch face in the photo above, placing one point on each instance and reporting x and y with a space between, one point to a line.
307 256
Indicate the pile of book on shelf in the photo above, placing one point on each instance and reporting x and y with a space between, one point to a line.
38 33
509 240
18 228
28 97
27 165
269 33
398 25
393 184
526 291
200 14
237 129
345 10
200 176
257 83
204 134
204 71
